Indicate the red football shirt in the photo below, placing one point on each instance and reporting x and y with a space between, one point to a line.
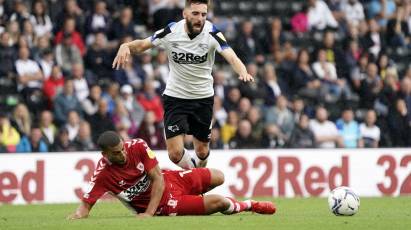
129 182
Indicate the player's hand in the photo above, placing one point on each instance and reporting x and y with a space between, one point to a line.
144 215
246 77
122 57
74 216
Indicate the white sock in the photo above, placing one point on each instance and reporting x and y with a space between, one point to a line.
230 209
185 161
200 163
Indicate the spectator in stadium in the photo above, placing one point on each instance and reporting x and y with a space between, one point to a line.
101 121
150 100
83 140
349 129
302 136
299 21
325 132
53 85
70 10
303 81
248 45
132 74
327 73
134 108
28 34
151 131
111 95
220 84
219 114
298 108
359 72
271 87
65 102
155 200
244 107
9 137
45 59
253 91
48 129
124 25
98 20
123 118
370 87
369 131
353 11
398 33
281 116
161 68
229 129
215 140
73 124
30 78
374 41
399 124
233 99
243 138
81 88
32 142
257 124
272 137
276 37
405 94
69 31
381 10
63 142
40 20
98 57
90 104
320 16
21 119
7 56
13 29
20 13
67 54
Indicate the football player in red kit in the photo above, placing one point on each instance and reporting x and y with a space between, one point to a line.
129 170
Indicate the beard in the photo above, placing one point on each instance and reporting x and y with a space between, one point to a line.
190 28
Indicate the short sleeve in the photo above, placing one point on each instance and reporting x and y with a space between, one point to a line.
220 39
146 155
158 36
96 186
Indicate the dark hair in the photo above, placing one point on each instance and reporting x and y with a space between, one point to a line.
189 2
108 139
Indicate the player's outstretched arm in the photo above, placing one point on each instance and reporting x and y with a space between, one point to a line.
130 48
157 190
231 57
82 211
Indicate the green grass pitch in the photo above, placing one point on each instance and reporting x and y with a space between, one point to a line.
299 213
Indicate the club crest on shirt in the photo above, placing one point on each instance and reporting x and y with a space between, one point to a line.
140 167
203 46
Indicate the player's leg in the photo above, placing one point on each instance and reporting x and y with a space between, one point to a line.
200 125
202 151
175 127
177 154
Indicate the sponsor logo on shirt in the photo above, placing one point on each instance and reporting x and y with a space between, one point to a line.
141 186
188 58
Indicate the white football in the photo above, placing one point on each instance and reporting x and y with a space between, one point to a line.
343 201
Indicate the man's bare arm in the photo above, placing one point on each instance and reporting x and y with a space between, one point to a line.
137 46
82 211
231 57
157 190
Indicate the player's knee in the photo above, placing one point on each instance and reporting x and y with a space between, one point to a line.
217 177
175 155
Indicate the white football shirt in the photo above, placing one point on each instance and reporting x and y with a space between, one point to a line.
190 60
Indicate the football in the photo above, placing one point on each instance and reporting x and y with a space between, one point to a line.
343 201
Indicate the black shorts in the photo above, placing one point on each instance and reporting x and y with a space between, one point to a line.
188 116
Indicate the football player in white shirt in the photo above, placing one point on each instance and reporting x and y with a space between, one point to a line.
188 98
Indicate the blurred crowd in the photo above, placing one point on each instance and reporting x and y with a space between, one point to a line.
331 74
